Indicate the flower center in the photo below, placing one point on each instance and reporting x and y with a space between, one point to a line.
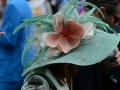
65 32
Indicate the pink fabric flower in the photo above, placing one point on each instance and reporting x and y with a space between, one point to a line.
68 36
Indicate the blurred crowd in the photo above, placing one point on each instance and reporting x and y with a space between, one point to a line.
39 7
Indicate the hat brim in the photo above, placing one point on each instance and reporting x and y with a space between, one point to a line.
89 51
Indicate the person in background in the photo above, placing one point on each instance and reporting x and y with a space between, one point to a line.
11 46
40 7
57 4
91 77
107 82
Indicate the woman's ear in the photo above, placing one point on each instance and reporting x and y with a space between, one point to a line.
98 14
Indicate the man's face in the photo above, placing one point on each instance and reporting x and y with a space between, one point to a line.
112 18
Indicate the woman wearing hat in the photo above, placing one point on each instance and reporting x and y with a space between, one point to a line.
62 41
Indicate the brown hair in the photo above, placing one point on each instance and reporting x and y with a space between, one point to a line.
111 5
63 70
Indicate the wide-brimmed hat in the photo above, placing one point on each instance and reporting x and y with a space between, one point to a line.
68 37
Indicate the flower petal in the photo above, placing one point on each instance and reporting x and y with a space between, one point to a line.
75 30
81 29
70 24
88 30
64 45
57 23
52 40
73 42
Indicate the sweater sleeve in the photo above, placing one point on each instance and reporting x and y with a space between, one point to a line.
11 19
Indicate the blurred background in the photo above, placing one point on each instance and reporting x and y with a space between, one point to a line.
39 7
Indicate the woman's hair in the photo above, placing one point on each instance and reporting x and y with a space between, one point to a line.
61 72
109 4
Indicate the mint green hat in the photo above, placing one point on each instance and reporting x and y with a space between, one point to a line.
68 37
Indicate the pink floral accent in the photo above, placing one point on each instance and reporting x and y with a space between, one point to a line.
68 36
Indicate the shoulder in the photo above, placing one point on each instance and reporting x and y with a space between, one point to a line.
18 4
35 82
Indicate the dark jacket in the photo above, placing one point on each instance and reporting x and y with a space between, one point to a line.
107 82
88 78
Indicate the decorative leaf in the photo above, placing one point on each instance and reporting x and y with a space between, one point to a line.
26 48
71 2
21 26
90 4
40 17
89 12
102 24
36 59
34 20
46 23
67 9
44 28
30 37
30 61
112 30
